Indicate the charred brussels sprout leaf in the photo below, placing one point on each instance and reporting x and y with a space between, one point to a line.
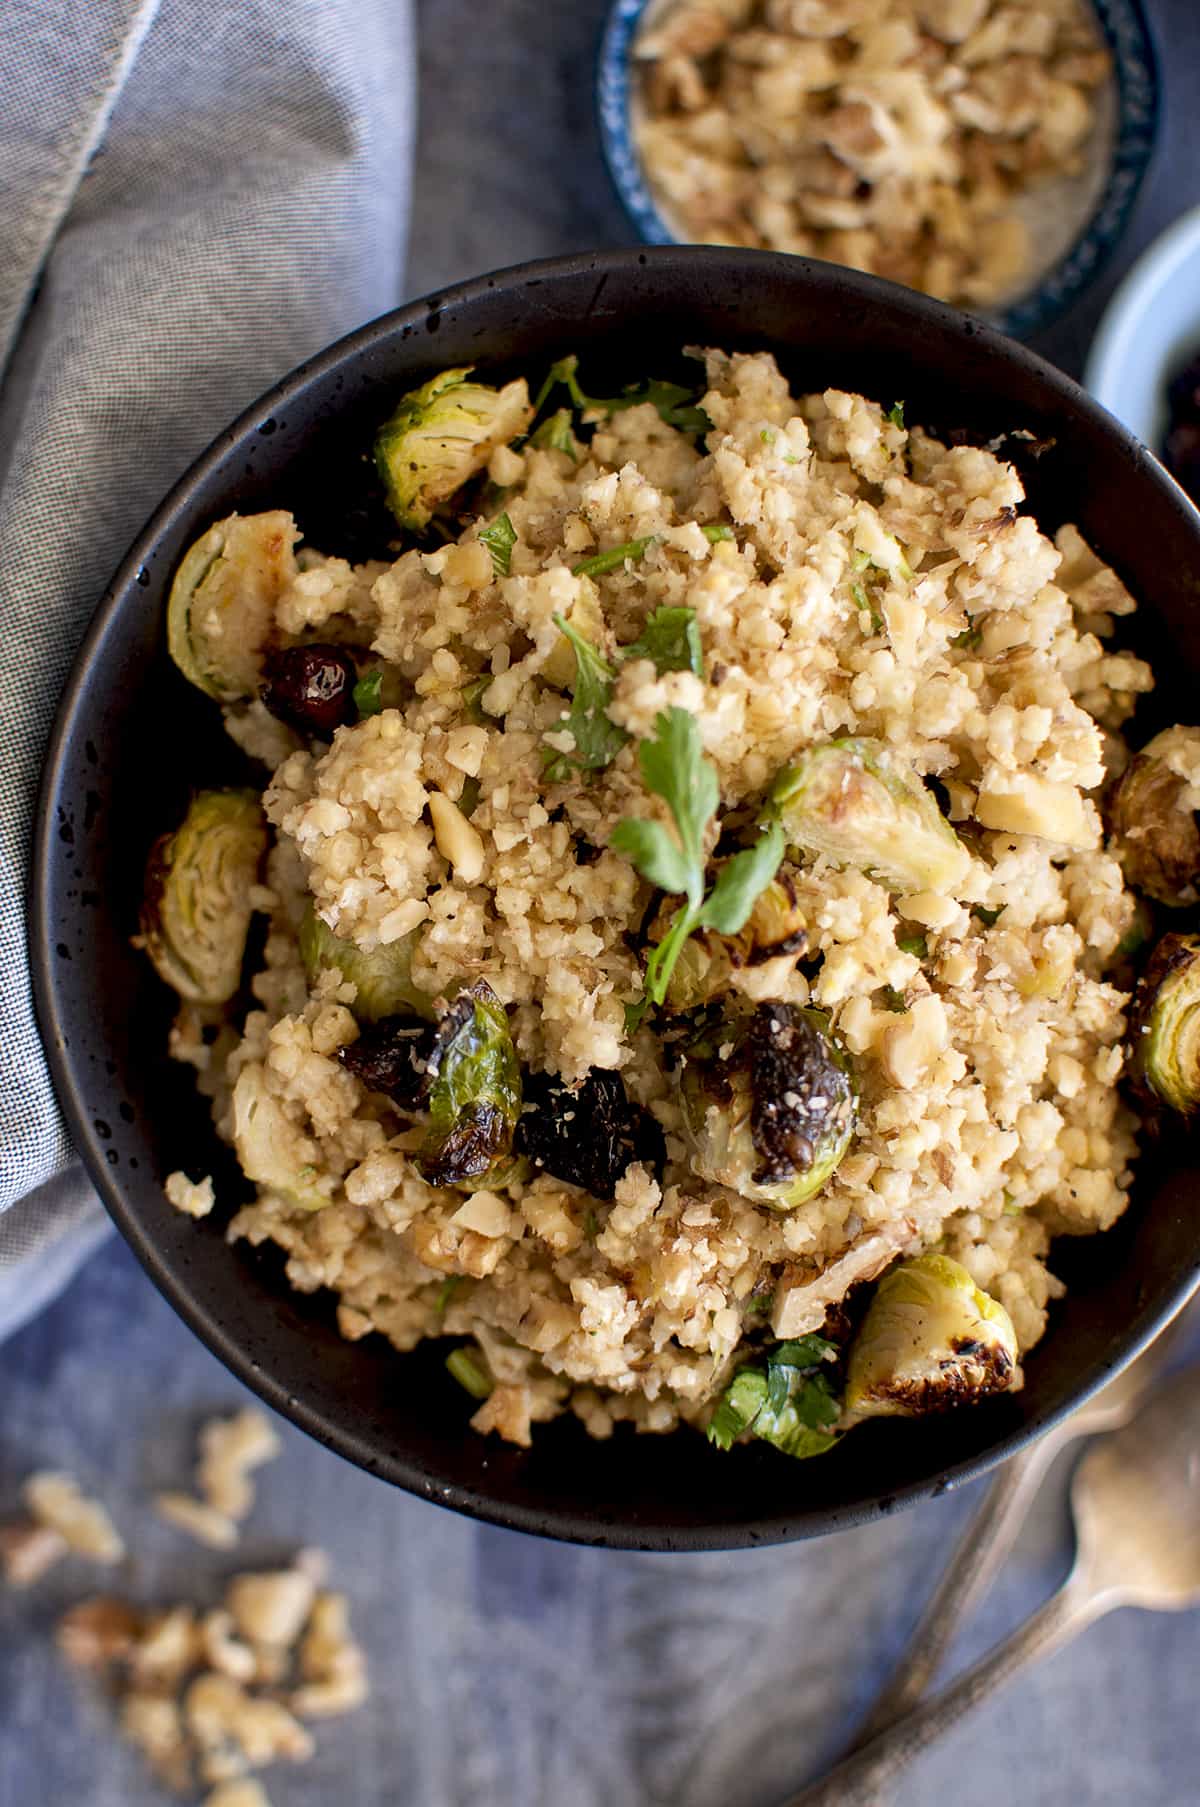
196 902
857 803
382 977
1156 833
473 1091
312 688
221 610
587 1134
788 1401
1165 1025
768 1103
931 1340
440 436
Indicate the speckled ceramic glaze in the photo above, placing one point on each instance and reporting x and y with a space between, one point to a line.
1137 95
132 738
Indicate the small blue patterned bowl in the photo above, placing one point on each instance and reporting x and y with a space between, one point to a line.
1136 129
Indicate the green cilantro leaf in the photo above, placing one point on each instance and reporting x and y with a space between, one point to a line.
368 694
597 739
614 558
676 404
740 1405
671 637
896 414
500 538
969 639
789 1401
717 530
446 1292
986 915
913 944
675 769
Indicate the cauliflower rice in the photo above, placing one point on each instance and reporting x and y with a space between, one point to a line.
983 1026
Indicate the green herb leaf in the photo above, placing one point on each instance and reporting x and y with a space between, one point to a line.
741 881
446 1292
789 1403
671 637
591 1226
896 414
759 1305
675 769
969 639
676 404
614 559
863 602
715 531
913 944
768 435
740 1405
597 739
368 694
468 1370
500 538
472 697
555 435
894 1000
985 915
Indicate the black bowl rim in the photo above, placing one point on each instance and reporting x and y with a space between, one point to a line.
475 1501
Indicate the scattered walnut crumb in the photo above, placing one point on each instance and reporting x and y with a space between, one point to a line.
230 1448
334 1667
98 1632
224 1650
154 1723
220 1713
246 1793
271 1608
55 1500
29 1550
195 1198
198 1519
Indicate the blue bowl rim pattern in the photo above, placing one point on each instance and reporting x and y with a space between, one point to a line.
1139 112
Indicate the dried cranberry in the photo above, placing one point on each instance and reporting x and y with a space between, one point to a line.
586 1134
311 687
393 1056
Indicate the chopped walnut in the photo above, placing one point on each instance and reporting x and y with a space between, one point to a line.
230 1448
198 1519
29 1550
168 1647
271 1608
506 1410
55 1500
219 1713
334 1667
223 1650
154 1723
98 1632
245 1793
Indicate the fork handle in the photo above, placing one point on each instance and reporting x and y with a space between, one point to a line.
980 1554
860 1777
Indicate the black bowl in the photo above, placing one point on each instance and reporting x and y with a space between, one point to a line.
132 738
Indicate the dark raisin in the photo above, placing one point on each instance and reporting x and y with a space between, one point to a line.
393 1056
587 1134
311 688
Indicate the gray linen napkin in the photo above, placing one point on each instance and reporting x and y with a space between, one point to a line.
194 196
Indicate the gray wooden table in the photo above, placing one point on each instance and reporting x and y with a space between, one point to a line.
507 1672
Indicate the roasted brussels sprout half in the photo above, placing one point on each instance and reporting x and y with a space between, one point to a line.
707 960
462 1071
270 1147
930 1340
1157 835
196 899
221 610
1164 1027
586 1134
382 978
768 1103
857 803
440 435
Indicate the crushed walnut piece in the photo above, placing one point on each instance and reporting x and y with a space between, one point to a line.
230 1450
29 1550
211 1696
899 136
54 1500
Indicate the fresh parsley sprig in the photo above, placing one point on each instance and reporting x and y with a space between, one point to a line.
612 560
671 637
675 769
677 405
368 694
